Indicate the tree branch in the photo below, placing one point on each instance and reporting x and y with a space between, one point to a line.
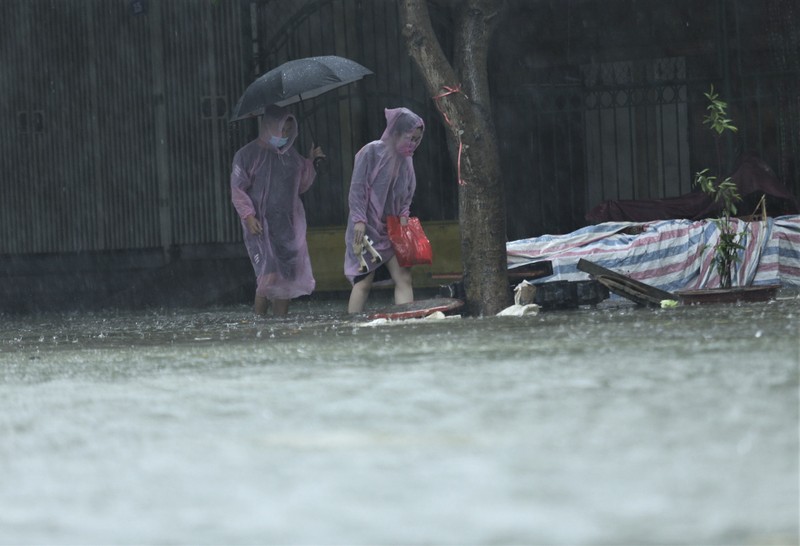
423 46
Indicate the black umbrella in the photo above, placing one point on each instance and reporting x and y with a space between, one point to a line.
296 81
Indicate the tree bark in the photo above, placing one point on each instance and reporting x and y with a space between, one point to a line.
462 95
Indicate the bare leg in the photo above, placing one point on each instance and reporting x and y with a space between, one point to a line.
403 290
359 294
261 305
280 308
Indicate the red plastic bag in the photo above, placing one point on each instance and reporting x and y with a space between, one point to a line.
411 245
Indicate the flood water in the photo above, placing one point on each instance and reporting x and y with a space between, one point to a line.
615 425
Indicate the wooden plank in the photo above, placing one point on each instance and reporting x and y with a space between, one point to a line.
536 270
636 291
736 294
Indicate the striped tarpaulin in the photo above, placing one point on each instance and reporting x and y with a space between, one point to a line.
670 254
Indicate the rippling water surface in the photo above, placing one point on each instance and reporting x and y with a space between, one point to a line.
617 425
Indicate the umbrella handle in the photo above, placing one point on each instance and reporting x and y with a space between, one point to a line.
318 161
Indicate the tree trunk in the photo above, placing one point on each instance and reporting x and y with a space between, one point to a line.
462 95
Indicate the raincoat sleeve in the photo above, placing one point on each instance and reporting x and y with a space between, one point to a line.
412 187
359 187
240 182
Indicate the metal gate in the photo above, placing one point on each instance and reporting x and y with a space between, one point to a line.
637 138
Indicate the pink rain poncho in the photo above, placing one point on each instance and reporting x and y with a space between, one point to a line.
266 181
383 185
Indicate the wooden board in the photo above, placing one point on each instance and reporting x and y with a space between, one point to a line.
418 309
628 291
629 288
730 295
531 271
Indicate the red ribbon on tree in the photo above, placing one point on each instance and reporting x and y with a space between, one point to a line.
449 91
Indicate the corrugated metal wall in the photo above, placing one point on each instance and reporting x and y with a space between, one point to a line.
205 63
52 200
120 137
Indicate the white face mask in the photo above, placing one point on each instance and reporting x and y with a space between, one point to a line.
278 142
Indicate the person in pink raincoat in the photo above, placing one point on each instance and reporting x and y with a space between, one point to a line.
267 179
382 185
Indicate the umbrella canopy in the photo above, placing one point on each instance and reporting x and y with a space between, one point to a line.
297 80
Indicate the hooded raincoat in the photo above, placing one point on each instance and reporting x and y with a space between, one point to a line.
382 185
266 182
